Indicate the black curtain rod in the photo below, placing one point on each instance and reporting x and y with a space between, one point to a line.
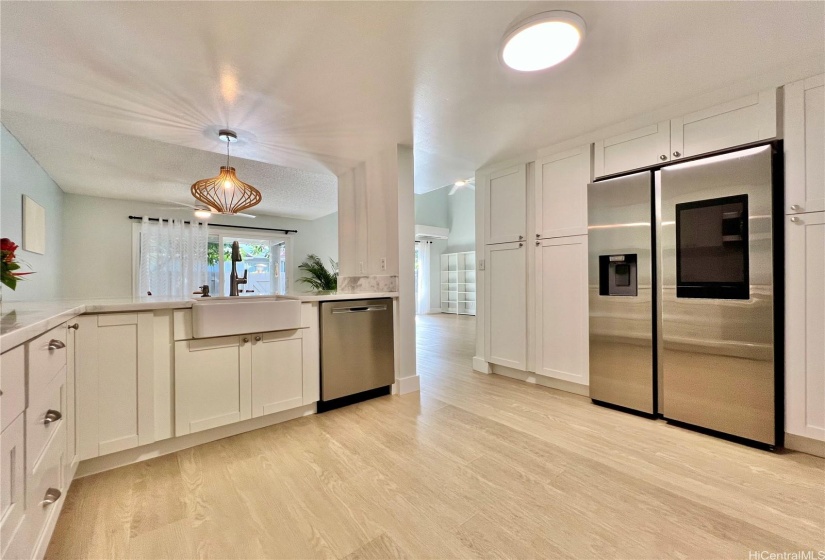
287 231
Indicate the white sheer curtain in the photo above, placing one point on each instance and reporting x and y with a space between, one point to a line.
173 261
423 304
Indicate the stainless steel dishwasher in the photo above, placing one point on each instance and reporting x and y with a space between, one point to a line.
357 354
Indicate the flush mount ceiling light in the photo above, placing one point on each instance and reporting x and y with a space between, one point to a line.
542 41
226 194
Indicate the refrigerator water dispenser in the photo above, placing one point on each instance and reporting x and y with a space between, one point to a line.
617 275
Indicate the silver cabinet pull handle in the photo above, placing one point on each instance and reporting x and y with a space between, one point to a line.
56 344
245 339
663 157
52 495
796 207
52 416
794 219
74 326
677 154
258 338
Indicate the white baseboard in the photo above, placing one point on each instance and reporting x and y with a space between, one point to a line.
406 385
805 445
171 445
481 365
530 377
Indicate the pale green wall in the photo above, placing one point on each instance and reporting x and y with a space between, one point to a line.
431 208
456 213
20 174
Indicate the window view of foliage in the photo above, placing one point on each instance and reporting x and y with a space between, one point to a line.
248 251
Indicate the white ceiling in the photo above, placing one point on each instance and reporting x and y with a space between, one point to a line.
319 86
85 160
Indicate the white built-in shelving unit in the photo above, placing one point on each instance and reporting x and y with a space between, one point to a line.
458 283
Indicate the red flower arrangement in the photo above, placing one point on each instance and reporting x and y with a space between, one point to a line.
9 264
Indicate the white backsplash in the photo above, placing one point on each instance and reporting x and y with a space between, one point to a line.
364 284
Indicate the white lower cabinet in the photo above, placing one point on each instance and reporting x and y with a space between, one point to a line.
212 383
277 372
13 490
114 382
506 305
805 325
221 381
34 463
561 309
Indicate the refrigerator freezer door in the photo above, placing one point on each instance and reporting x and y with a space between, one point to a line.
718 294
620 292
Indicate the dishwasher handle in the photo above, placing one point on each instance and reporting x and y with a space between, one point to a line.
361 309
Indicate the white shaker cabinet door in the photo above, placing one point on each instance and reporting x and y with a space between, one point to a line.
277 372
632 150
561 193
561 309
114 381
805 145
741 121
507 205
805 325
506 305
212 383
13 542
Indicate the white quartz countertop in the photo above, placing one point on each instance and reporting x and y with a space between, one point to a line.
24 320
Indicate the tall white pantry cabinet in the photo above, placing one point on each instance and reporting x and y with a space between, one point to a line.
532 226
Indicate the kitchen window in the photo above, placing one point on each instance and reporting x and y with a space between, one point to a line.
266 261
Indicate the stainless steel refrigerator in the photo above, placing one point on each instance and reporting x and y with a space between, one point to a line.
685 293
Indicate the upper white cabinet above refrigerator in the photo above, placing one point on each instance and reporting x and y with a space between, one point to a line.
805 145
741 121
506 194
561 193
632 150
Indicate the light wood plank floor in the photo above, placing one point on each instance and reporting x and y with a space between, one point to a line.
473 466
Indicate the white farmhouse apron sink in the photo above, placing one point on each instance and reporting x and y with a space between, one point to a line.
226 316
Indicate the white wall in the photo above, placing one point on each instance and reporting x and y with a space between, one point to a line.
97 238
20 174
368 207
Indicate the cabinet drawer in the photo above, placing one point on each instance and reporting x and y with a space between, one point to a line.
12 491
47 356
13 385
46 488
44 418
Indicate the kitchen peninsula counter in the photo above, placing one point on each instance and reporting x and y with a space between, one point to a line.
23 320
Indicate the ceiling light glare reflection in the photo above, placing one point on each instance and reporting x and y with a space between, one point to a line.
542 41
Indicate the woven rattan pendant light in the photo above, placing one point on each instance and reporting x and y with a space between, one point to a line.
226 194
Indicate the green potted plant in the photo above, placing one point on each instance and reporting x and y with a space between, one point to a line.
319 278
